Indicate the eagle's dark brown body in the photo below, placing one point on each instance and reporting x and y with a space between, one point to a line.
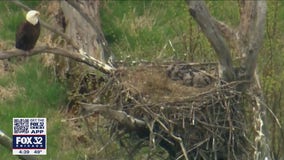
27 35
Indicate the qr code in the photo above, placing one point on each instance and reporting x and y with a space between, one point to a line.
21 125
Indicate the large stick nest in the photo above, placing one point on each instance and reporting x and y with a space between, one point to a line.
187 109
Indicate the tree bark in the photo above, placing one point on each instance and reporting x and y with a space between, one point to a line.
247 40
78 21
83 26
251 31
201 14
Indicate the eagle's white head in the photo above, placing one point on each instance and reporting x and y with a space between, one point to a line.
32 16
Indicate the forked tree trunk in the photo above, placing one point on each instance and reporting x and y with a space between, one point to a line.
247 40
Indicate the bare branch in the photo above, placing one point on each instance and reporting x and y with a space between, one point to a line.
5 140
120 116
230 34
85 58
227 32
7 143
81 57
202 16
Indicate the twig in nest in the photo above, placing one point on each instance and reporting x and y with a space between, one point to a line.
176 138
112 138
194 147
120 116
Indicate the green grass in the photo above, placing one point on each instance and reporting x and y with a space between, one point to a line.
35 82
143 30
38 95
136 30
36 92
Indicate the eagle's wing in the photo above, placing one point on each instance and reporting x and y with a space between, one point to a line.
21 36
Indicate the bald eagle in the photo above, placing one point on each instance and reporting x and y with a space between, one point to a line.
28 32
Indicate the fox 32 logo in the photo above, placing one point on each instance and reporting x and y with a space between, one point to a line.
29 141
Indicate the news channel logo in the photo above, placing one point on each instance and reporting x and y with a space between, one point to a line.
29 136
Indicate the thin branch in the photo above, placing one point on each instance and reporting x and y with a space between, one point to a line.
120 116
230 34
226 31
201 15
176 138
6 142
260 101
81 57
47 26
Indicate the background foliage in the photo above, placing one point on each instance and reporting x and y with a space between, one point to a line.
136 31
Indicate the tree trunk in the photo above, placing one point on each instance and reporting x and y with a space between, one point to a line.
83 26
80 21
199 12
247 40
